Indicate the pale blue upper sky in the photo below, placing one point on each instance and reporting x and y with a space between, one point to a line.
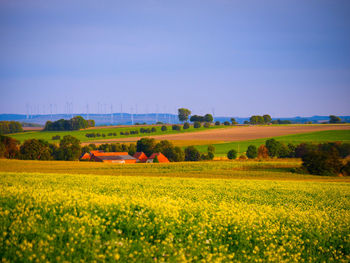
240 57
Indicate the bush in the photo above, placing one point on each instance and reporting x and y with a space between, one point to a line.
232 154
217 123
197 124
7 127
206 125
226 123
153 129
192 154
164 128
155 160
242 157
263 152
35 150
252 152
186 126
56 137
322 163
176 127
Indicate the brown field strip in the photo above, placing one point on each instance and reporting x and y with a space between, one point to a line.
237 133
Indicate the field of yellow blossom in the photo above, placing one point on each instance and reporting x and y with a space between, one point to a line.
74 217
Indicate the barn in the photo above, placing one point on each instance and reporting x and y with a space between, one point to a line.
141 157
160 156
115 159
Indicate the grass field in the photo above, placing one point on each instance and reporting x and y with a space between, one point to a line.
101 216
315 137
47 135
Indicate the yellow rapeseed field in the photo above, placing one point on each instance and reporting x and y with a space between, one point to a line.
71 217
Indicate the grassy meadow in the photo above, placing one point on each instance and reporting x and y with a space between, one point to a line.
314 137
263 213
47 135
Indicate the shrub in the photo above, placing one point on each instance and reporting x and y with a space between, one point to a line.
242 157
217 123
232 154
186 126
103 135
155 160
176 127
153 129
192 154
263 152
206 125
57 137
211 148
210 155
252 152
35 150
322 163
164 128
197 124
226 123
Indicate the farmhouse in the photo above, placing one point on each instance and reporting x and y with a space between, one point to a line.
141 157
160 156
87 156
115 159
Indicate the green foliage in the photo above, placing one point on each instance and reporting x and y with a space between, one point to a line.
226 123
322 162
186 126
76 123
252 152
267 118
163 128
232 154
155 160
176 127
69 149
334 119
207 125
192 154
208 118
233 121
154 129
132 149
211 148
281 122
197 124
7 127
146 145
217 123
56 137
183 114
257 119
35 150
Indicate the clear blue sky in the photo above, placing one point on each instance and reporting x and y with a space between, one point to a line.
240 57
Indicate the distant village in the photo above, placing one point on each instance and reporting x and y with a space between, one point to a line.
123 157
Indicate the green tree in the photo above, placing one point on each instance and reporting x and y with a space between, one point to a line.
273 147
232 154
334 119
69 149
217 123
233 121
208 118
186 125
132 149
267 118
155 160
197 124
164 128
34 149
252 152
11 147
183 114
146 145
322 163
192 154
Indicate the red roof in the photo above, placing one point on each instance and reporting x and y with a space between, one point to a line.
161 157
141 156
110 153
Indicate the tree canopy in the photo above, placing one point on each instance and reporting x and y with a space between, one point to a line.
183 114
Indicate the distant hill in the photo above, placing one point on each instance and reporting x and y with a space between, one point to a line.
126 118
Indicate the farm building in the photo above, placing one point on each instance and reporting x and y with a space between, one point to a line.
87 156
95 156
115 159
141 157
160 156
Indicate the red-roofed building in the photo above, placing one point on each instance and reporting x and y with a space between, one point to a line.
141 157
160 156
87 156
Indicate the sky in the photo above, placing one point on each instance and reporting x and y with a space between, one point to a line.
227 57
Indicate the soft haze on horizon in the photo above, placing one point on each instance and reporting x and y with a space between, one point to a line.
239 57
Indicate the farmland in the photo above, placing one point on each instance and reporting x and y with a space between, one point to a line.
47 135
252 211
314 137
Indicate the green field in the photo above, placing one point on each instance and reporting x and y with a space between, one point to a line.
314 137
47 135
263 213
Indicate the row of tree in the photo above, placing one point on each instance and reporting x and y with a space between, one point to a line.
7 127
76 123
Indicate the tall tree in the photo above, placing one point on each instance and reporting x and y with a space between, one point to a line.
208 118
334 119
70 149
35 150
267 118
183 114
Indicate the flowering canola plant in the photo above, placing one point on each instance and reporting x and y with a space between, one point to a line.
46 217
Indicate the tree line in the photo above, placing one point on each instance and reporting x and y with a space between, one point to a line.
7 127
76 123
